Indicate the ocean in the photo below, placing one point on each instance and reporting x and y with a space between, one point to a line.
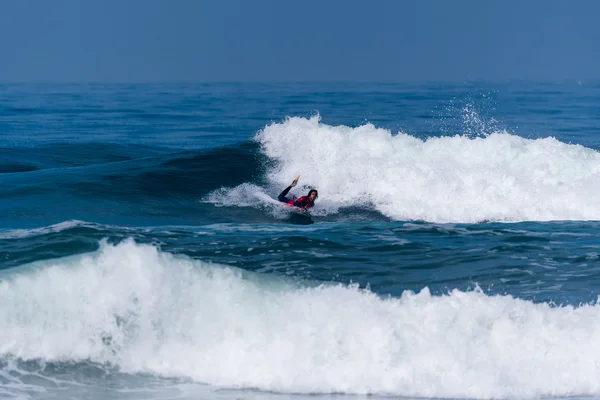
453 251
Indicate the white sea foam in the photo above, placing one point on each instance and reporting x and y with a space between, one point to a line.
143 310
495 177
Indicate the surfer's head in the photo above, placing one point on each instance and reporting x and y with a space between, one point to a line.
313 194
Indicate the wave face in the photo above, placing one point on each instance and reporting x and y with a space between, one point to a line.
494 177
145 311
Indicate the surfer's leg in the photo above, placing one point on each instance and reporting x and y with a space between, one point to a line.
282 195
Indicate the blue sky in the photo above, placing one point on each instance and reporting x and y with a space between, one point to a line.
279 40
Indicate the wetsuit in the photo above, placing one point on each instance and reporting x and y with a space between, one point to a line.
302 202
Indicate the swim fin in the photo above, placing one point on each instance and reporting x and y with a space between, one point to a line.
295 181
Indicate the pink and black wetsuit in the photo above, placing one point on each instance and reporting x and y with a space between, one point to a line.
302 202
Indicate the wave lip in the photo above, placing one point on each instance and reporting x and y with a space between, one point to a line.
62 226
496 177
145 311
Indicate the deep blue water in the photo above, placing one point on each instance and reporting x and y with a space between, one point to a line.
453 251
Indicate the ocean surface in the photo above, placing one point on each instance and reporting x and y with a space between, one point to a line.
453 251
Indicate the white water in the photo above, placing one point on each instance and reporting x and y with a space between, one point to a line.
498 177
143 310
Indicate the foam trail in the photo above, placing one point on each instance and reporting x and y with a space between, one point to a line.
143 310
248 195
499 177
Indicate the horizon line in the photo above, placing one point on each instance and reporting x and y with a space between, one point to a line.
283 82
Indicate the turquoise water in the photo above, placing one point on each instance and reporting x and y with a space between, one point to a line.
452 253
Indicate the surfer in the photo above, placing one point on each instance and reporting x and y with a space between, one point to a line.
304 202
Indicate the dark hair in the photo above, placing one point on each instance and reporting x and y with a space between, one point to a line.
316 193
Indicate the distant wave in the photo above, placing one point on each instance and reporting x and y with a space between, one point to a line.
108 171
10 167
